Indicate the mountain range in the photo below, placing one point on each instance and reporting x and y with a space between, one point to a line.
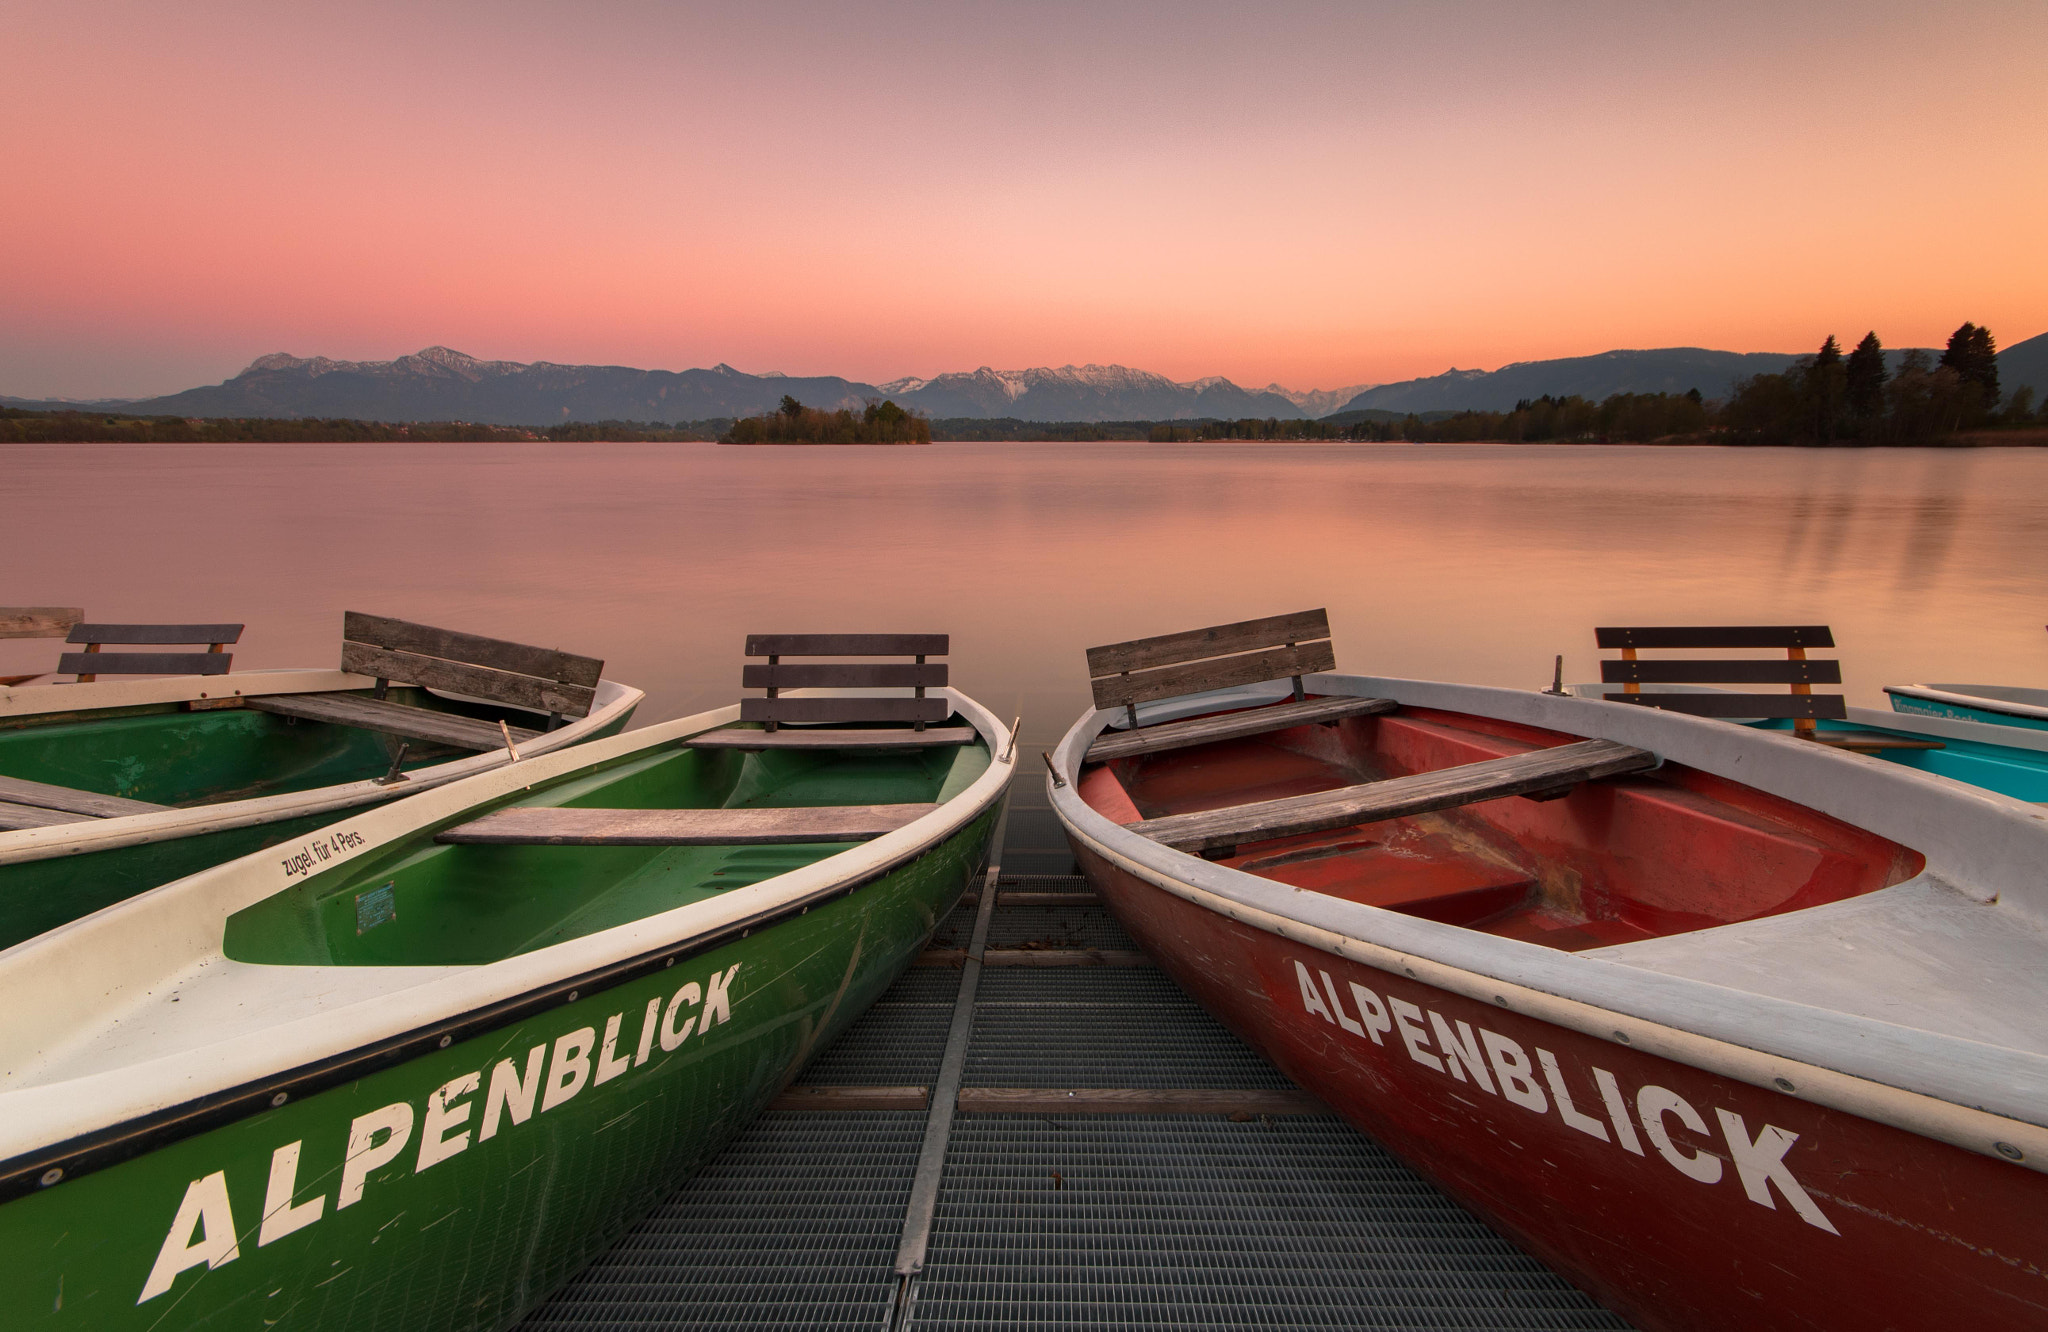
439 384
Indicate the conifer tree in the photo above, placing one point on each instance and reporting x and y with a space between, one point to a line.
1865 375
1825 387
1974 357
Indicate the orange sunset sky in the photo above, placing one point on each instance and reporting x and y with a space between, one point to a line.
1313 194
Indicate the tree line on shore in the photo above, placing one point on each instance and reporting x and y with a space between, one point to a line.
794 423
1824 399
18 426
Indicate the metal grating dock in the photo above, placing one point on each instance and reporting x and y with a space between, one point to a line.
1058 1220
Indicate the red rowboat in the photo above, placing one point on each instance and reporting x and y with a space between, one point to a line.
1733 1029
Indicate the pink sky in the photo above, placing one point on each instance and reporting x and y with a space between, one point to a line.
1318 195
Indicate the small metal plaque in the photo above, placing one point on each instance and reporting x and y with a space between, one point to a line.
377 907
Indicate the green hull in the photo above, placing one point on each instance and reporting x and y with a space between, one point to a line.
166 755
483 1232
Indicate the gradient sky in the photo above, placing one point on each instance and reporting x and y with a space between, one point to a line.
1314 194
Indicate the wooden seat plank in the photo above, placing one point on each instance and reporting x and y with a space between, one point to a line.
837 711
525 825
739 737
1715 637
1221 640
521 675
426 640
144 663
1741 670
15 818
71 800
460 677
1231 726
147 634
407 723
1216 673
844 675
39 621
1542 770
1832 707
848 645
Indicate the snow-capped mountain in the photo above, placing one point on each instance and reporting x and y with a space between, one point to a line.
439 384
1084 393
1319 402
442 384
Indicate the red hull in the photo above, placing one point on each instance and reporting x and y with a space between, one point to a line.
1554 1137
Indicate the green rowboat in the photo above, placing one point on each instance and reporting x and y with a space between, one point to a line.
413 1070
111 788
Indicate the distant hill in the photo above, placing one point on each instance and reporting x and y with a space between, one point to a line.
2025 364
440 384
1086 393
443 385
64 404
1664 370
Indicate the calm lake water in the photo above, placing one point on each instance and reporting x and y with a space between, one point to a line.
1473 563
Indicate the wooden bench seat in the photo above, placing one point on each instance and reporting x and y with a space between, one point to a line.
821 737
529 826
1543 772
93 663
517 675
71 800
1194 661
1231 726
15 817
395 719
1804 707
833 721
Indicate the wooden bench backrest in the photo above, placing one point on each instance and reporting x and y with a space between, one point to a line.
92 663
543 679
1124 675
1801 703
38 621
35 622
775 675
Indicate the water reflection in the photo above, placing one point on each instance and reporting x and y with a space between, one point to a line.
1463 562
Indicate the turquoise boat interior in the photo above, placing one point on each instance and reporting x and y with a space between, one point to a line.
2011 770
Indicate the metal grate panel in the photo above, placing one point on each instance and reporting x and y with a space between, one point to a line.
793 1226
892 1044
1103 1027
1047 883
1196 1222
1058 927
953 929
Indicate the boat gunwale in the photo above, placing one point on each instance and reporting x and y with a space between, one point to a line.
1864 1066
26 845
138 1130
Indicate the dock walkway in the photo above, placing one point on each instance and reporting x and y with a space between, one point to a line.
1262 1210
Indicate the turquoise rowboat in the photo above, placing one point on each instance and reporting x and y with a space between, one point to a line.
1997 705
111 788
2009 760
413 1070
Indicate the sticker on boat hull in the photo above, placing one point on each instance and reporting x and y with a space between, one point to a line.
377 907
